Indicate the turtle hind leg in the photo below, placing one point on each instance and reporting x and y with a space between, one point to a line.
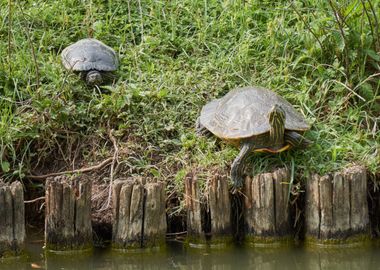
296 140
201 130
238 165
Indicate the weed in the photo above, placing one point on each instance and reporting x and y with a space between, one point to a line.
174 57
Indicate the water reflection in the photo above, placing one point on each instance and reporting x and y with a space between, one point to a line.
178 257
71 261
345 259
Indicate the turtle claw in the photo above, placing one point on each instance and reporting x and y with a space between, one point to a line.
236 177
204 133
236 190
306 142
201 130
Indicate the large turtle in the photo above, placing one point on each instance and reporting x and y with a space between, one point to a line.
92 58
256 119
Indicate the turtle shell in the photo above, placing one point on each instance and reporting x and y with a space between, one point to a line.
89 54
244 112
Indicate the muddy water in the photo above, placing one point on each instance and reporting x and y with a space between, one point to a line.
176 256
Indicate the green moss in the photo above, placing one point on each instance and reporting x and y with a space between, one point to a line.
196 242
268 241
359 240
65 249
175 56
215 242
220 241
155 243
137 249
152 245
122 247
9 254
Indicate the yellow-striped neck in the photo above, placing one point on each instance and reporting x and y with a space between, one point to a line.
277 125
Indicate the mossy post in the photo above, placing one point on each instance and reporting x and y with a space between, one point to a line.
68 213
209 214
195 218
337 208
12 219
266 209
139 214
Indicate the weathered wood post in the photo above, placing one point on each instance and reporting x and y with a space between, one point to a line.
195 218
266 209
68 213
12 219
208 214
220 209
337 207
139 214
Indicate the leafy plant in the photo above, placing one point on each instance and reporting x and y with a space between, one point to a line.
323 56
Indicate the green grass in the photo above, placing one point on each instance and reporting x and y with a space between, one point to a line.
175 56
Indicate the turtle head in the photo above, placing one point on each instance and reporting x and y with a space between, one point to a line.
94 77
277 124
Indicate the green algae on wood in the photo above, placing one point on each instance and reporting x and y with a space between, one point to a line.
357 241
269 241
68 214
337 209
12 219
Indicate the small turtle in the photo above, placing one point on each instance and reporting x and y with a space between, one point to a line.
92 58
256 119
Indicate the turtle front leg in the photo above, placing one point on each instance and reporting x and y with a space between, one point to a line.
201 130
238 165
296 140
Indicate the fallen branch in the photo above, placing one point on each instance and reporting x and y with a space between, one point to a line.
82 170
176 233
35 200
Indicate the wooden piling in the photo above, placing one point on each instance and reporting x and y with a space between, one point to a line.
12 219
68 213
336 208
266 208
220 209
139 214
208 214
193 209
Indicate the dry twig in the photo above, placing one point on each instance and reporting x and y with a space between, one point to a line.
10 36
307 25
82 170
31 46
114 160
